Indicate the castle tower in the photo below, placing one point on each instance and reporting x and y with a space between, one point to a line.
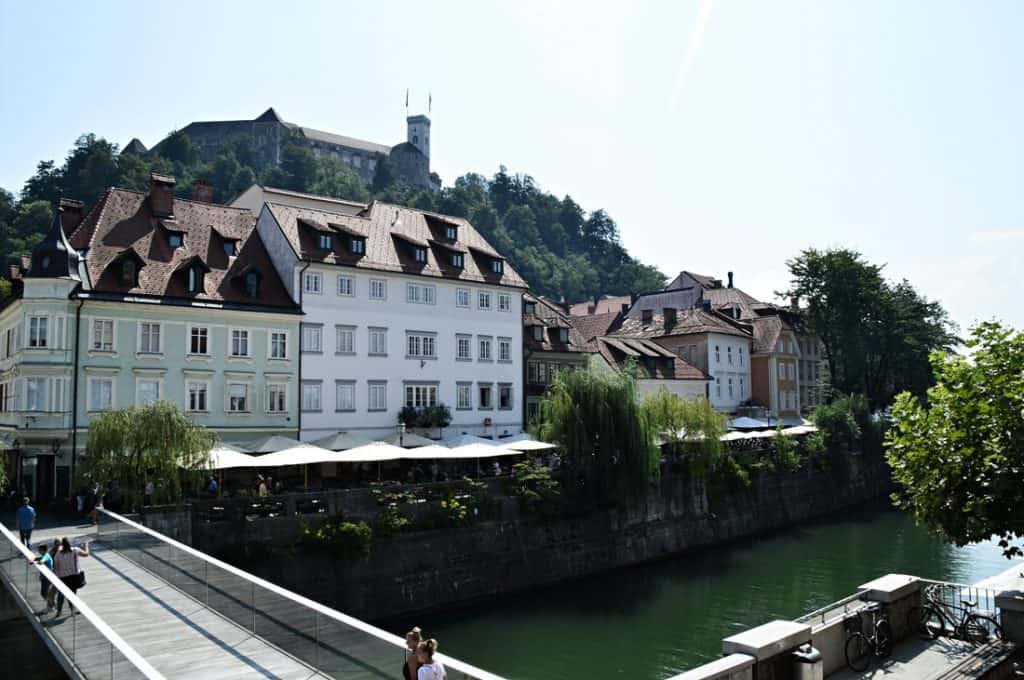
419 133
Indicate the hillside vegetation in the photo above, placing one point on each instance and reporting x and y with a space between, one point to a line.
558 247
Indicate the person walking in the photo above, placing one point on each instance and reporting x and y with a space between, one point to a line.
44 583
65 566
147 495
25 518
429 669
412 661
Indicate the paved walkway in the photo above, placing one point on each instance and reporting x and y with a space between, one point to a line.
176 634
916 659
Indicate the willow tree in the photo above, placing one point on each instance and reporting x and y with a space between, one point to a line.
606 439
690 426
156 442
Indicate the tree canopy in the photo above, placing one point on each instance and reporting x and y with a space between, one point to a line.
688 425
959 458
156 442
560 249
877 335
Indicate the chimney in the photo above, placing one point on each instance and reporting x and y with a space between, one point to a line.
647 316
730 279
72 213
161 195
669 315
202 191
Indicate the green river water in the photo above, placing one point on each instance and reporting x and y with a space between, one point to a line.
652 621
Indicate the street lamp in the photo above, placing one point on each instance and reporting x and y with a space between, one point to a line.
401 434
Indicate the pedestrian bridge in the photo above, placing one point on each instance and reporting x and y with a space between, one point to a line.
156 608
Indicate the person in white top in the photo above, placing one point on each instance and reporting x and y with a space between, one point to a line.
65 567
429 669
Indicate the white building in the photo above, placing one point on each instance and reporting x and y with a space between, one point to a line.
402 308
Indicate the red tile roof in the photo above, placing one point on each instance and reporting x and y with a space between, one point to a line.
121 225
552 319
391 232
653 360
688 322
596 325
603 306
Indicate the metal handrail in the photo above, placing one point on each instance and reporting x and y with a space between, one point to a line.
362 626
822 611
116 640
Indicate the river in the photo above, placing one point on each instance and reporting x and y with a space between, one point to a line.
655 620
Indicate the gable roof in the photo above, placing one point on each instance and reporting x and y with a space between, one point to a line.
652 360
388 228
688 322
596 325
767 330
609 303
552 319
121 224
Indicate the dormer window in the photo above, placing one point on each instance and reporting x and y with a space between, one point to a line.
458 260
451 233
530 308
358 246
497 266
128 272
563 334
231 248
326 242
175 240
252 285
195 280
421 255
538 333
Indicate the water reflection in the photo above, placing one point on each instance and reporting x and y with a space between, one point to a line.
656 620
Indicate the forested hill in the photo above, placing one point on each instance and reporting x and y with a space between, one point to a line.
558 247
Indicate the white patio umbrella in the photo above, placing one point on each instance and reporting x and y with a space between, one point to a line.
528 445
374 452
408 440
222 458
432 452
464 439
341 441
271 444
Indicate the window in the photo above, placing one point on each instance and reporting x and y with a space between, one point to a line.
149 338
458 260
420 396
464 396
103 335
730 388
504 302
741 356
728 351
128 271
486 398
101 394
483 300
718 355
462 297
497 266
277 398
326 242
345 396
252 285
357 246
147 391
505 397
378 342
199 340
35 394
377 395
421 255
197 395
378 289
239 343
312 339
345 339
346 286
278 345
563 335
742 389
485 349
504 349
534 373
451 233
311 396
532 412
312 283
420 345
538 333
357 161
231 247
718 387
420 294
175 240
238 398
37 331
463 352
195 280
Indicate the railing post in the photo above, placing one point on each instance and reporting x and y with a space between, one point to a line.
252 589
206 579
111 661
316 663
74 633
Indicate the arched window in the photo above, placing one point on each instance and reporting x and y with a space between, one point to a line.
252 284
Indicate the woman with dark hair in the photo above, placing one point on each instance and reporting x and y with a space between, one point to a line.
65 566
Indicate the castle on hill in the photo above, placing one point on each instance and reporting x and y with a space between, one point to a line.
267 132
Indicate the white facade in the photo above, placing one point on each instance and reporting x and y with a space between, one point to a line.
729 367
684 389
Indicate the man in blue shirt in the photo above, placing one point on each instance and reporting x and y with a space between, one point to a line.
25 518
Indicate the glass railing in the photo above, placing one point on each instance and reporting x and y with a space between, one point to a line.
328 641
85 641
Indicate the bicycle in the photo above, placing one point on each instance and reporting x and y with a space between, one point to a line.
861 646
935 618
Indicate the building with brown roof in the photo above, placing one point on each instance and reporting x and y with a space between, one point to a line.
550 344
403 308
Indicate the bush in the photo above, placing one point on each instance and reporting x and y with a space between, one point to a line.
838 421
784 455
538 494
343 539
390 521
815 450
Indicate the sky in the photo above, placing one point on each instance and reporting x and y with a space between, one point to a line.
721 135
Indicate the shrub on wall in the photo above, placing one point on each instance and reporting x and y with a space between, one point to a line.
538 494
343 539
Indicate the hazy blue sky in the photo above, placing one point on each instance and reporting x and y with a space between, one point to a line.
720 135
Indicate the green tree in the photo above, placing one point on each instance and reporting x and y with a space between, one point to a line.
178 148
30 224
688 425
156 442
90 168
5 291
606 438
959 459
45 185
337 180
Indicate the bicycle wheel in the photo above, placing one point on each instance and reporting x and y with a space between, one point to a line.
858 652
925 621
883 638
979 629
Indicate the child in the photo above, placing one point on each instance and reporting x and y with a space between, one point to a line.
45 589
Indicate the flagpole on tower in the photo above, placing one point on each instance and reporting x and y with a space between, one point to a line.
430 101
